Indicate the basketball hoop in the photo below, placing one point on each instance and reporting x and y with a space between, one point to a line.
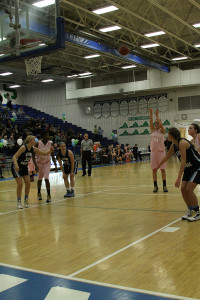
33 65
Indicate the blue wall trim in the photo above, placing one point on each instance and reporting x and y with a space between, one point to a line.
100 47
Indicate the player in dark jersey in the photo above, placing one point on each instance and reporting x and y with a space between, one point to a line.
189 168
19 167
68 167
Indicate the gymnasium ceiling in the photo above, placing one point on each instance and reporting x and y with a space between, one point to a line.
136 18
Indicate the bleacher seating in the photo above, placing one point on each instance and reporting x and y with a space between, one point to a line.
64 125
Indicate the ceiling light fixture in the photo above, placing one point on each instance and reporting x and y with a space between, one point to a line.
110 28
104 10
42 44
196 25
85 74
44 3
71 76
47 80
128 67
6 74
149 45
1 54
156 33
14 86
179 58
92 56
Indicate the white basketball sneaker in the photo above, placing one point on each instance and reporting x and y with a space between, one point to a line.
188 214
19 205
26 204
195 218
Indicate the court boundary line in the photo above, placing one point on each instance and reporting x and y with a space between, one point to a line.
123 249
99 283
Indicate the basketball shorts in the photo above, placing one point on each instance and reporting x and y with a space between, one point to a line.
156 157
67 169
44 170
191 175
23 171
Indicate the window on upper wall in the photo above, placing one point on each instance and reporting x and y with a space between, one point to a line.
184 103
189 102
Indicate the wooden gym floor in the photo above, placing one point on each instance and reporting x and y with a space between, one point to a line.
115 232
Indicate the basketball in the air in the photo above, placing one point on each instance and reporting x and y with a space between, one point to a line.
123 50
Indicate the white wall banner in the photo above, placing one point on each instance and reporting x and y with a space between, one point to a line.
97 110
162 102
124 107
114 108
152 102
106 110
133 106
143 108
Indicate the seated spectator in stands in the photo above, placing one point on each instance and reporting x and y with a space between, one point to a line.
128 153
15 131
80 137
95 133
9 101
63 137
20 112
4 132
107 154
100 133
136 152
9 124
11 144
98 154
5 114
119 154
57 138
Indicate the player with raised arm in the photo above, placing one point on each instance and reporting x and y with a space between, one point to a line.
157 150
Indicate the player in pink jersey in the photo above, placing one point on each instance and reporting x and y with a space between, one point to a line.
44 165
194 131
157 149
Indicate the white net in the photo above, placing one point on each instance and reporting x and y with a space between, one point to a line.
33 65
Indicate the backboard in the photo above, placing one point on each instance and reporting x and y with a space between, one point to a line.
29 27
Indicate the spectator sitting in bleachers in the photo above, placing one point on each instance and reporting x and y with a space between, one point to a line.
128 153
20 112
136 152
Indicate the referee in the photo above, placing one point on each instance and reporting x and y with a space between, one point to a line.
86 154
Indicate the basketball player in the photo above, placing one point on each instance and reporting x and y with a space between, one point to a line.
19 167
44 165
157 150
68 167
194 131
189 168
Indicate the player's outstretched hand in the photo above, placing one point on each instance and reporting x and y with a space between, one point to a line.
150 110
